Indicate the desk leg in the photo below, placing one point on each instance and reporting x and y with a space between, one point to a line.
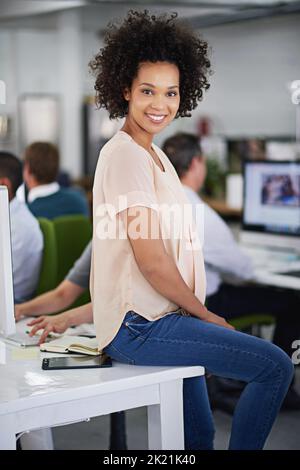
165 421
7 434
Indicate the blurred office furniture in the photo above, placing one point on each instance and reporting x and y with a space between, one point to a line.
118 438
86 184
8 139
92 139
234 191
222 208
214 184
3 128
97 130
281 149
214 147
247 148
39 119
72 233
48 273
252 323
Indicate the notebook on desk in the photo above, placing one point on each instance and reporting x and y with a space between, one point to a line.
271 215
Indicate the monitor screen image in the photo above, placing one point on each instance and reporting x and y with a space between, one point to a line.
7 318
272 197
280 190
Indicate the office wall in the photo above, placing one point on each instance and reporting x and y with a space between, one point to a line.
32 61
252 61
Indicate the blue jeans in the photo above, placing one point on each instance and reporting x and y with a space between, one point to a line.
179 340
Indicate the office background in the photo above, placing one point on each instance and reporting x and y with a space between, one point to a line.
45 47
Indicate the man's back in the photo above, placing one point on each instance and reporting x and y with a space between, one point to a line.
65 201
27 250
222 255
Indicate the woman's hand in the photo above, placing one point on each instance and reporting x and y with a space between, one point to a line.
56 324
213 318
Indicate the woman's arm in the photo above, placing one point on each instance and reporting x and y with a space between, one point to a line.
159 268
50 302
59 323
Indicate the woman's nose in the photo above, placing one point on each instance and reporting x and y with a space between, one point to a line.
158 102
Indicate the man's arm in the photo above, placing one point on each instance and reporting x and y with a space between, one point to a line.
50 302
221 251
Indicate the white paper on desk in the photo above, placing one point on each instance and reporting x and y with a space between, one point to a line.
83 329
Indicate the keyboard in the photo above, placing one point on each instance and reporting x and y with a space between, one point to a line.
273 260
23 339
290 273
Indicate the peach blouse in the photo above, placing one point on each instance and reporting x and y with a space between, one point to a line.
127 176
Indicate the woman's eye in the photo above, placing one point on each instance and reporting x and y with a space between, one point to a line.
150 92
147 92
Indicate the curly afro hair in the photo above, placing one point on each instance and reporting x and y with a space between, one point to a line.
148 38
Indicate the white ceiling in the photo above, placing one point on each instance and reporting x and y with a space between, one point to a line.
96 13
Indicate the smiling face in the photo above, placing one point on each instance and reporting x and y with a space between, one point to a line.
154 97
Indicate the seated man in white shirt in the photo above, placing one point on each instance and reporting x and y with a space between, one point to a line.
223 258
26 235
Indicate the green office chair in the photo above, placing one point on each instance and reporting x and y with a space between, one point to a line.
252 323
48 273
73 233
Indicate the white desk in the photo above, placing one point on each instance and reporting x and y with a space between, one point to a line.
268 263
31 398
273 279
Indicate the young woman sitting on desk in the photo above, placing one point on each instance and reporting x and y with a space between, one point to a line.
148 283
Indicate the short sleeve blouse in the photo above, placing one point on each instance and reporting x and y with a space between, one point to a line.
127 176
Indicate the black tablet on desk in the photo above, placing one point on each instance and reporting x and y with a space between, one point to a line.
79 362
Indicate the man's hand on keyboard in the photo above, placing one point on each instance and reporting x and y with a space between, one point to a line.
56 324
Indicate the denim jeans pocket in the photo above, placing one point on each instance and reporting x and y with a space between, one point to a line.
131 316
135 323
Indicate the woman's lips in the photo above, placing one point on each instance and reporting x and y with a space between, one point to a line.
156 118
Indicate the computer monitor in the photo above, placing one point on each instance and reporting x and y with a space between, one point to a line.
271 208
7 317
